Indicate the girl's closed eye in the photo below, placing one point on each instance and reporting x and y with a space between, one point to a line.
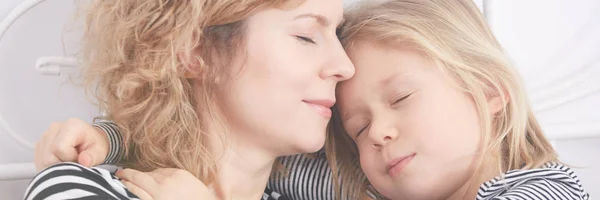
400 99
361 129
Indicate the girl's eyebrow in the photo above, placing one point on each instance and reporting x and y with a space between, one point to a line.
403 77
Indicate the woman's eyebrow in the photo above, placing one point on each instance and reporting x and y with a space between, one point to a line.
322 20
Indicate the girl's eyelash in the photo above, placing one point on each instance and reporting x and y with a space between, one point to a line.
401 99
361 130
395 102
305 39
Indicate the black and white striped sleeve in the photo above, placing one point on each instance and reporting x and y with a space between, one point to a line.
542 189
306 177
554 181
115 151
73 181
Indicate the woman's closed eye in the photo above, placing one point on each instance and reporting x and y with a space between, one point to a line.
305 39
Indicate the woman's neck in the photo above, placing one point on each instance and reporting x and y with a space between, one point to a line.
243 171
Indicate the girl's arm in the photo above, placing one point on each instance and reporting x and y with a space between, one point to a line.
74 181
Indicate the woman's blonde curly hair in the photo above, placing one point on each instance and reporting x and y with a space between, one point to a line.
137 55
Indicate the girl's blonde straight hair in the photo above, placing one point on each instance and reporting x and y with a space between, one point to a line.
454 35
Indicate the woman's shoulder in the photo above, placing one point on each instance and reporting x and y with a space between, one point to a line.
72 181
552 180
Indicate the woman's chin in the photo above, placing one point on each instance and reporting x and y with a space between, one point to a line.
307 145
313 145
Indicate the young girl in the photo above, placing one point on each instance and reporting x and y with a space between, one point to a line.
435 110
208 94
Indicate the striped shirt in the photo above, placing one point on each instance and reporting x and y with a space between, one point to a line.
551 181
307 177
73 181
310 178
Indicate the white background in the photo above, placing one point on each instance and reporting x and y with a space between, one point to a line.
554 43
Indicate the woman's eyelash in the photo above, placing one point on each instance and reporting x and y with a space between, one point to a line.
306 39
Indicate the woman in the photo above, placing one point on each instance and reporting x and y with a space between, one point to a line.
219 89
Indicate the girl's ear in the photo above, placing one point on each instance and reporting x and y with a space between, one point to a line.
497 101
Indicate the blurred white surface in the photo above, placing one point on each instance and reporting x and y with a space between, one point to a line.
556 46
30 99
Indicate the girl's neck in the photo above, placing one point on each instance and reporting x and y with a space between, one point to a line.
471 187
488 170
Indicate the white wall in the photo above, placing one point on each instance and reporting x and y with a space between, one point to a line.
555 44
30 100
